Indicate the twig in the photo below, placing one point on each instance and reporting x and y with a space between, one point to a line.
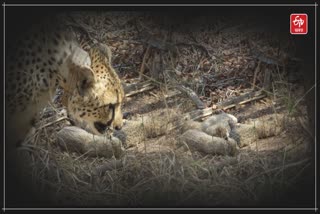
139 88
245 101
230 103
197 114
135 86
242 98
255 75
193 96
49 124
142 68
227 82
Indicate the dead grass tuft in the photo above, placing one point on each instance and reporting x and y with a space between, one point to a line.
159 123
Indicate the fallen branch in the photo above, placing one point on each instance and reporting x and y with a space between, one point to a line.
197 114
136 88
53 122
247 97
226 82
193 96
255 75
245 101
142 68
230 103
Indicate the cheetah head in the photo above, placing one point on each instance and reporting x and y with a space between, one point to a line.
95 95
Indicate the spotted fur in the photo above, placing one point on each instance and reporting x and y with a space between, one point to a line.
39 62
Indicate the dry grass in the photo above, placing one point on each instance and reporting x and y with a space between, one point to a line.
159 123
155 176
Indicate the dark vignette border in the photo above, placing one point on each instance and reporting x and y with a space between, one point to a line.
18 19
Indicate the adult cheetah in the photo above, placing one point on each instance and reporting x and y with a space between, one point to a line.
43 59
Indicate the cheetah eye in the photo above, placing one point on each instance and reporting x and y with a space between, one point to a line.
110 107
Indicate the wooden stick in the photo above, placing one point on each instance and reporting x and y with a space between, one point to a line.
239 99
135 86
147 88
142 68
245 101
248 97
193 96
255 75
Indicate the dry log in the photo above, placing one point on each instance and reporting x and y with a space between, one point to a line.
74 139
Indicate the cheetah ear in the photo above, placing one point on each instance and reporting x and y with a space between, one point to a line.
85 80
80 73
106 52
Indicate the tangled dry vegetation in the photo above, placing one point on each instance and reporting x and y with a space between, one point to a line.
198 67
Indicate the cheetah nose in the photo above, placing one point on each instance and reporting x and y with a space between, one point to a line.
118 128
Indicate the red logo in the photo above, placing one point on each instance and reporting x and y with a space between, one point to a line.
298 23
